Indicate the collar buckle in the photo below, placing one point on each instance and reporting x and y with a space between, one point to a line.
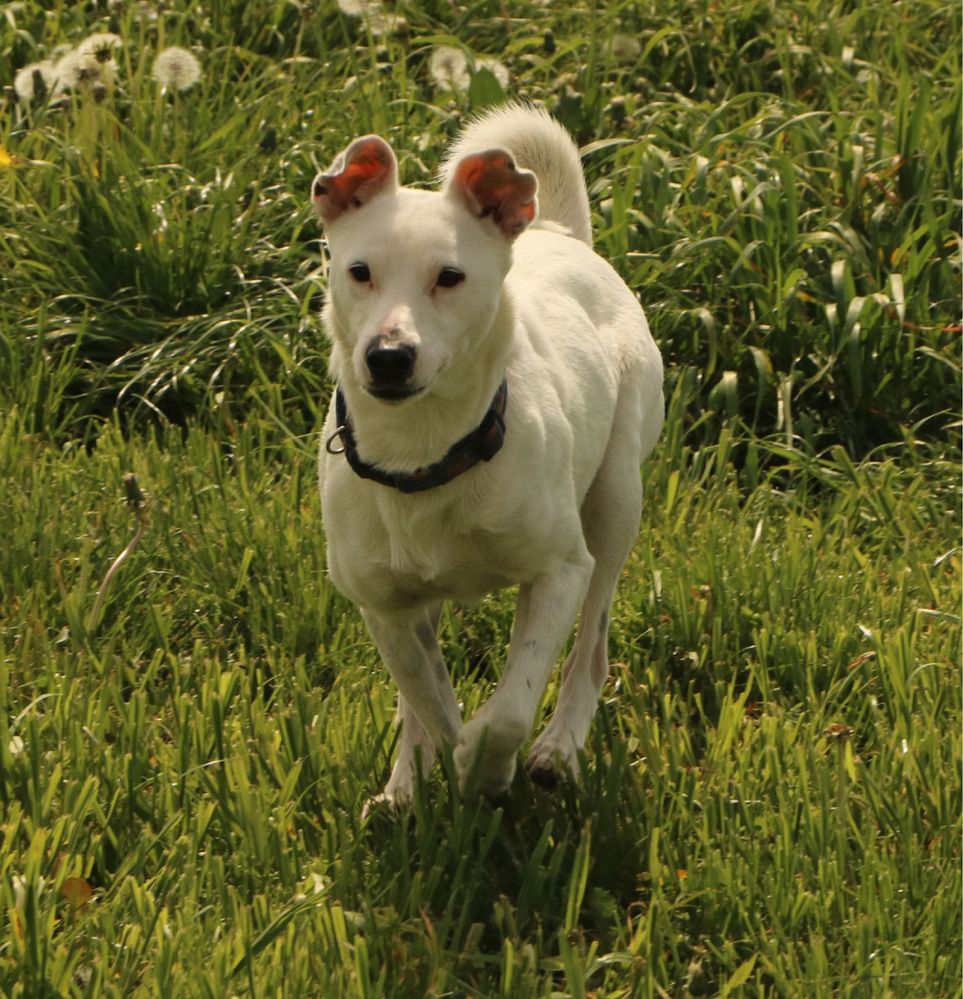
337 435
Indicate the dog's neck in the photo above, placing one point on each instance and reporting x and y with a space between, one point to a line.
404 436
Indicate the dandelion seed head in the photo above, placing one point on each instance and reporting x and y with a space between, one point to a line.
77 69
176 69
146 13
497 69
449 68
359 8
101 46
25 83
624 48
381 23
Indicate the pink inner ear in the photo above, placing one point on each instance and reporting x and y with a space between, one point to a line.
369 163
365 168
492 186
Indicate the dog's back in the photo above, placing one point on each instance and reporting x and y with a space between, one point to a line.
540 144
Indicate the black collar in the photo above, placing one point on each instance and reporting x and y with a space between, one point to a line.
481 444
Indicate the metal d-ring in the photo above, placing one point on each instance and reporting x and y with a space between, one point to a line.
338 434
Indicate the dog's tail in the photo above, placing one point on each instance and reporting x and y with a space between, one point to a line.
540 144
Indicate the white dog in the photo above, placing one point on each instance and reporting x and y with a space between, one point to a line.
498 388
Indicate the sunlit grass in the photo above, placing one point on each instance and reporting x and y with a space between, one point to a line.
771 779
779 185
771 796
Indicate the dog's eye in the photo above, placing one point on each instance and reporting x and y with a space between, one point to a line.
360 272
448 277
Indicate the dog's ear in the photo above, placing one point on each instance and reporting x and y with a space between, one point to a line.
366 168
491 186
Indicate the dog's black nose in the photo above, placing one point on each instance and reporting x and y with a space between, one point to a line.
390 364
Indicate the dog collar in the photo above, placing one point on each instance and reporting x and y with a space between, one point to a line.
481 444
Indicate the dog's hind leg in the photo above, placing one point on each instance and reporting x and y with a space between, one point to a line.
610 518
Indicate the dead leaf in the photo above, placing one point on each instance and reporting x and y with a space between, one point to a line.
77 892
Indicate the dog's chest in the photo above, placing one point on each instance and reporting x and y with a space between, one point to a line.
444 552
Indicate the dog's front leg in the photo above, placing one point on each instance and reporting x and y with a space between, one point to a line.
415 751
427 709
487 749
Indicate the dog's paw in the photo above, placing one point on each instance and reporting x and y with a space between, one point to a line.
486 755
550 762
388 804
545 776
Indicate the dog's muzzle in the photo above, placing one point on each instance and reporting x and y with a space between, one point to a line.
390 366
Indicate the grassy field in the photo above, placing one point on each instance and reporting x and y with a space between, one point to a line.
772 797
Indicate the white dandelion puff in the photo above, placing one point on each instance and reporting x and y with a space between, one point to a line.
359 8
77 69
623 48
146 13
176 69
36 81
381 24
497 69
101 46
449 68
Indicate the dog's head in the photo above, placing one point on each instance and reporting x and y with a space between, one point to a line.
415 278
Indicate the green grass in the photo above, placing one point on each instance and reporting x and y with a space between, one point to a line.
771 799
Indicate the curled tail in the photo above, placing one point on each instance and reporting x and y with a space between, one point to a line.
540 144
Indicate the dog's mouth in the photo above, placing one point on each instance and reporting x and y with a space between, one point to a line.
392 393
